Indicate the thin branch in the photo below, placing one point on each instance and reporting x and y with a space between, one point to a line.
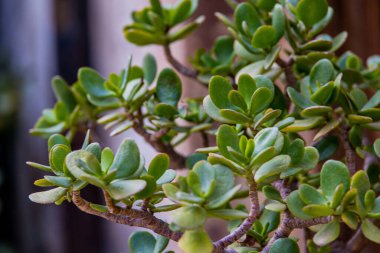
288 224
282 188
177 160
145 221
247 223
289 75
348 150
178 66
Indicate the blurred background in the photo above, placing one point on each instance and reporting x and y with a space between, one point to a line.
43 38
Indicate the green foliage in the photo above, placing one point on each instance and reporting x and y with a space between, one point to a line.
262 95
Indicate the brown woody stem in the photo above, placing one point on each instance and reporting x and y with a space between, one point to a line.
136 218
254 212
178 66
348 150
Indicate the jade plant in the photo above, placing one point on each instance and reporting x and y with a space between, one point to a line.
286 118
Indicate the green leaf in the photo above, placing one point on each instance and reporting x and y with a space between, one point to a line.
142 38
39 166
141 242
237 117
189 217
121 189
298 99
206 175
260 100
161 243
310 195
127 159
246 13
149 67
48 197
185 30
180 12
283 245
317 210
169 87
327 147
106 159
327 234
322 71
376 147
223 49
304 124
275 206
271 193
213 111
218 159
296 150
311 11
95 149
93 82
278 21
246 87
63 93
149 189
158 165
334 173
57 157
59 181
360 181
227 137
271 168
219 88
373 102
323 94
264 37
195 241
167 177
350 219
268 137
57 139
295 205
237 100
165 110
223 199
317 45
370 231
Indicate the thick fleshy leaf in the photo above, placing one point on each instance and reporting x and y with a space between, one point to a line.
311 11
92 82
298 99
223 199
295 205
228 214
48 197
121 189
304 124
106 159
327 147
376 147
264 37
373 102
57 157
278 21
327 234
149 68
57 139
317 210
227 137
271 168
195 241
141 242
350 219
246 13
63 93
360 181
142 38
334 173
284 245
371 231
213 111
189 217
310 195
322 71
169 87
219 88
235 116
158 165
260 100
237 99
268 137
127 159
271 193
246 87
206 175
